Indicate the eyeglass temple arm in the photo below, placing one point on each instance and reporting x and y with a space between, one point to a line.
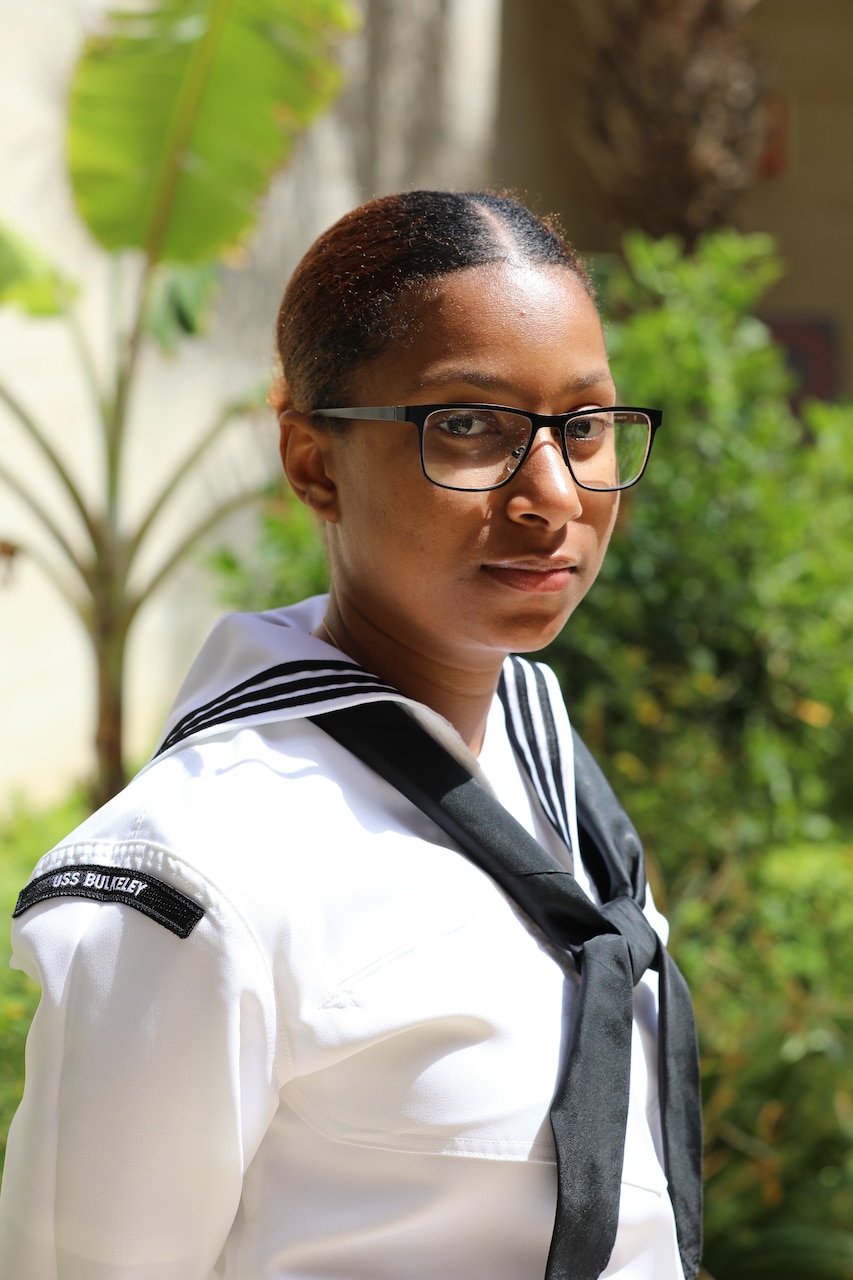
382 413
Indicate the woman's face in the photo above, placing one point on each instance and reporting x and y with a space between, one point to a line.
456 578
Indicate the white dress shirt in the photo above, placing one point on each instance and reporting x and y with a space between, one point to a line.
345 1069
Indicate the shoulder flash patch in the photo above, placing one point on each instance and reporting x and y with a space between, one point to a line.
153 897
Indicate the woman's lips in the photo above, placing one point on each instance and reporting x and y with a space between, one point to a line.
524 575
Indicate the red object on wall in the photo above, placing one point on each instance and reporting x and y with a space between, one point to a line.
811 349
774 156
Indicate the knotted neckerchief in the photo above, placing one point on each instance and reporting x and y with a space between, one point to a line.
613 945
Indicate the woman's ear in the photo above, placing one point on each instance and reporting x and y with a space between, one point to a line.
306 455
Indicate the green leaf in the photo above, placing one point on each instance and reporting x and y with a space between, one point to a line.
286 564
178 302
24 835
28 280
181 113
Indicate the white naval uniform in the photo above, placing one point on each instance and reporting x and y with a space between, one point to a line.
345 1069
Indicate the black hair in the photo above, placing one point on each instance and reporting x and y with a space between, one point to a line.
354 290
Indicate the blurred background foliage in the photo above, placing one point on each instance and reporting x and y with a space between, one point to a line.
25 834
711 664
711 671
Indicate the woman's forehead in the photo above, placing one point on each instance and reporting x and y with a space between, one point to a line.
497 329
513 281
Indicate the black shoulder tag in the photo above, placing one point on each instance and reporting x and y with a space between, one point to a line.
153 897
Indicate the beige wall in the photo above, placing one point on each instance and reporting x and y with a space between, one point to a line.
809 206
535 152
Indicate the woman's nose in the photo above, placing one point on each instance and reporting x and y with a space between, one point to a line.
543 488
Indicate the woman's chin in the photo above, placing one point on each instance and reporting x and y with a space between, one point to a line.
532 629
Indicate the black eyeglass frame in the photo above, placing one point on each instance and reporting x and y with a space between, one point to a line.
417 414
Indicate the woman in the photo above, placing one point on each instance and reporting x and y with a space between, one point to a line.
287 1028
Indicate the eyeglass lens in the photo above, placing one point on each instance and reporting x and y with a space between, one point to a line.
470 448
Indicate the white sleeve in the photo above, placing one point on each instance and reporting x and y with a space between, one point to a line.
151 1078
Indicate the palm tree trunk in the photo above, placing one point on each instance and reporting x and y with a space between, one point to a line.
110 648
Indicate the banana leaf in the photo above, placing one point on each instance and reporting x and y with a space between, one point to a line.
181 112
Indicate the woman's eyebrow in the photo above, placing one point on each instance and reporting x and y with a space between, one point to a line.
507 386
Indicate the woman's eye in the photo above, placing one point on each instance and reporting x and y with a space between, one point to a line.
591 428
465 424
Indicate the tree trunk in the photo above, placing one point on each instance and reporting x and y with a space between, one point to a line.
110 647
673 112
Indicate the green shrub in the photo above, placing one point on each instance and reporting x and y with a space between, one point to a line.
709 670
766 947
25 834
287 561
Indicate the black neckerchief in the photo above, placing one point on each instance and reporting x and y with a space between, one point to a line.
613 945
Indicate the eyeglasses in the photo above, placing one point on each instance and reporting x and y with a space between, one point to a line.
476 447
